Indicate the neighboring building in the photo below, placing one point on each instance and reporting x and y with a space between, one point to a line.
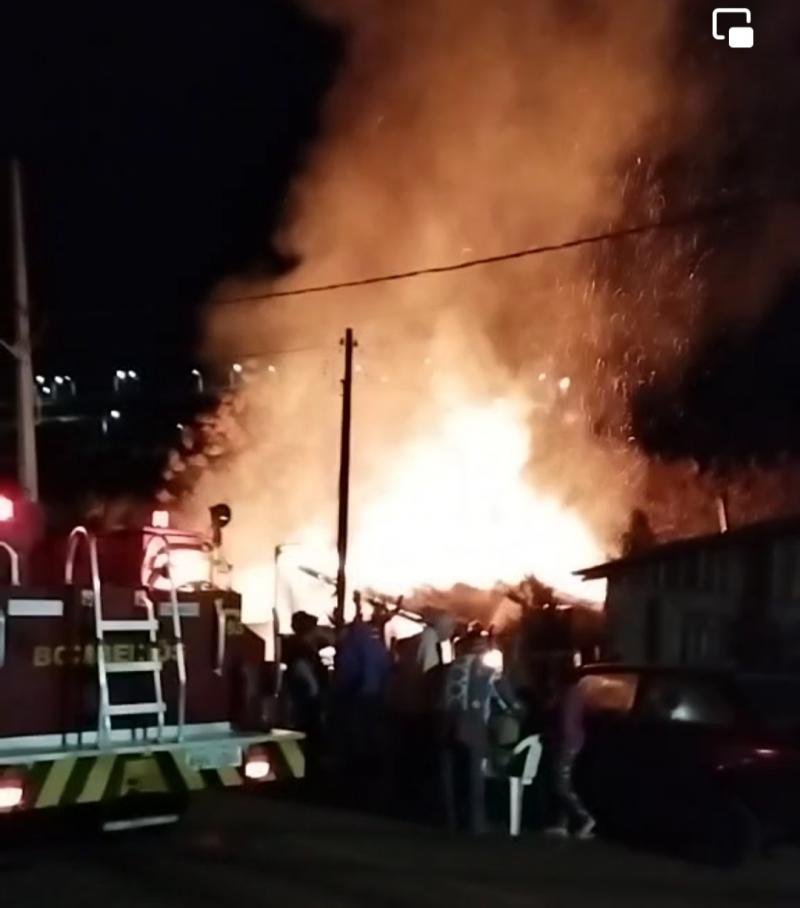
731 599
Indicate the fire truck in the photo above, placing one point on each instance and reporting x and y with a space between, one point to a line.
127 679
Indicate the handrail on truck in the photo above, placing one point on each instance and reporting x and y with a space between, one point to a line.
13 558
177 631
75 537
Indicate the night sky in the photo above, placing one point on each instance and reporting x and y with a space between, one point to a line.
159 145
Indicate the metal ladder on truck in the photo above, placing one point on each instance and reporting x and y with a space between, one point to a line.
149 626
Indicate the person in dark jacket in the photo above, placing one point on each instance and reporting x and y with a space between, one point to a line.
470 690
360 680
307 687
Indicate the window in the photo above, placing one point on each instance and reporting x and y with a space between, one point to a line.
687 700
609 693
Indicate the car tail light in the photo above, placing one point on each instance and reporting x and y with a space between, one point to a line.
12 793
257 767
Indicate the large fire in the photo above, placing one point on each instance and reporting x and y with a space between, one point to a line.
453 505
456 508
456 129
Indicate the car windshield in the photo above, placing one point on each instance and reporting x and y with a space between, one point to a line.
775 701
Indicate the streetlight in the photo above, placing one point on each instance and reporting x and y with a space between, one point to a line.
40 379
71 383
197 374
236 373
112 414
123 375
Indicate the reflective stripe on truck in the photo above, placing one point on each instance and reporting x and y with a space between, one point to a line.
74 780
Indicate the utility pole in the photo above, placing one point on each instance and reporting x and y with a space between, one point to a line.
27 466
344 477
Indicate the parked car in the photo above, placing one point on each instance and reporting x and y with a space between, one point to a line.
708 762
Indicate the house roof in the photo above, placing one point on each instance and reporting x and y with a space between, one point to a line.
752 533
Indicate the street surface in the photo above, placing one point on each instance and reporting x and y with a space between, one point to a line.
250 850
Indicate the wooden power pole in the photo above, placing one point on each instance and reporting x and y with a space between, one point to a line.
344 477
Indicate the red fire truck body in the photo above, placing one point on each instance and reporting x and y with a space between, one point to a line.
126 674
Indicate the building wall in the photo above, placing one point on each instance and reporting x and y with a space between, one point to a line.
679 610
669 626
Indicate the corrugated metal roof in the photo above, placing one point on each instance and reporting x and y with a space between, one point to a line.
754 532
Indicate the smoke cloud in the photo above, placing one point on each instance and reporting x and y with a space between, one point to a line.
460 129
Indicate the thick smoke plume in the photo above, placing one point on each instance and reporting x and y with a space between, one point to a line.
460 129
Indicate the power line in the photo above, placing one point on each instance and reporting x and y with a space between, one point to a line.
689 218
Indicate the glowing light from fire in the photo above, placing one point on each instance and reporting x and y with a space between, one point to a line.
458 508
454 507
188 566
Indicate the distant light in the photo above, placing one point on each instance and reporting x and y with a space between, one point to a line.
160 519
45 389
114 414
237 368
180 426
67 378
40 379
542 376
6 509
257 769
196 373
59 380
271 368
359 369
120 373
565 383
132 374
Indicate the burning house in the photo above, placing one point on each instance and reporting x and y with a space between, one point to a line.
730 599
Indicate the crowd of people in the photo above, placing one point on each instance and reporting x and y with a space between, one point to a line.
418 724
